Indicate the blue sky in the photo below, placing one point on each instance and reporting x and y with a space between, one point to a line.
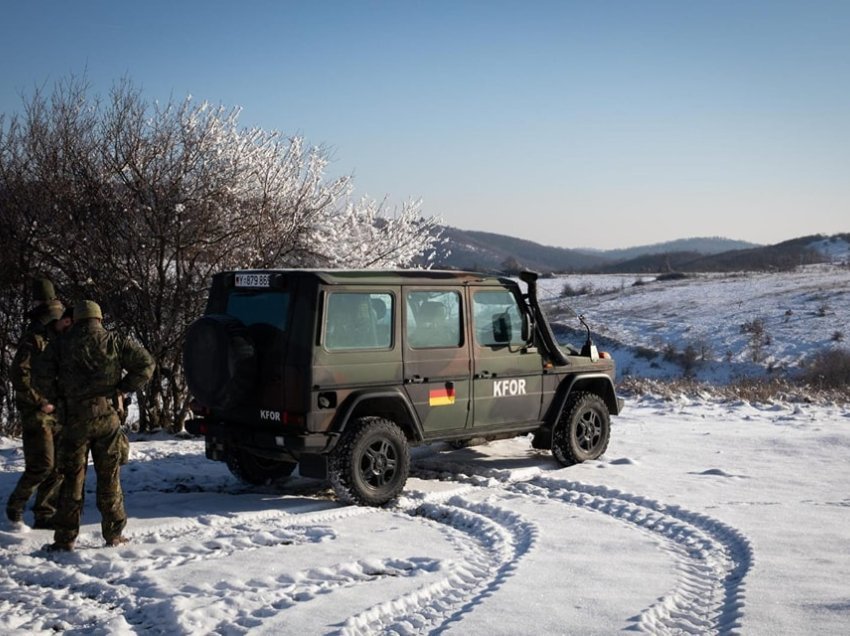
577 124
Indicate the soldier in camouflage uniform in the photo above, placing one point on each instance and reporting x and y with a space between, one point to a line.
90 364
34 389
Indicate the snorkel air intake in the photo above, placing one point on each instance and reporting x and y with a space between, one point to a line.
544 330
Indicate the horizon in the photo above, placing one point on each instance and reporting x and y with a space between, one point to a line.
615 125
753 244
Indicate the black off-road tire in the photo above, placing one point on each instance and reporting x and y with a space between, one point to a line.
583 430
220 361
370 463
256 470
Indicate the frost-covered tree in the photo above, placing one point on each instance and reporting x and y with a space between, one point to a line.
136 204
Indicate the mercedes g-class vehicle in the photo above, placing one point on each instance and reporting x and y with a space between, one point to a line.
340 372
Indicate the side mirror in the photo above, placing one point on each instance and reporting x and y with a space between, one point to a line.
502 328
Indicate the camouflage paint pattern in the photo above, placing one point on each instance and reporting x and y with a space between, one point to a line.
34 387
90 364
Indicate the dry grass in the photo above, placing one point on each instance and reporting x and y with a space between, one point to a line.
751 390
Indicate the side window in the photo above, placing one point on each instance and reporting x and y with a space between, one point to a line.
433 319
497 319
358 320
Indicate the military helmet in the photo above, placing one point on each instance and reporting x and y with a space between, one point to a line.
42 290
55 309
87 309
49 311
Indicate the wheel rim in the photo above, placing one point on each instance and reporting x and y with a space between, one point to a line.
378 464
588 430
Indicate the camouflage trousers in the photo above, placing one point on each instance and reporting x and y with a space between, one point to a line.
102 435
41 441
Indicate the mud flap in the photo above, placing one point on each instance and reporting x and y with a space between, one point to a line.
313 466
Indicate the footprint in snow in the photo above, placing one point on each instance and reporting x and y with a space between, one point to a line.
718 472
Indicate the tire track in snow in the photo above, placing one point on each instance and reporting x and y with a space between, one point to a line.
712 558
87 584
492 541
105 597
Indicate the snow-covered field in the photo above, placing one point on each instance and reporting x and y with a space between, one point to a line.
801 312
702 517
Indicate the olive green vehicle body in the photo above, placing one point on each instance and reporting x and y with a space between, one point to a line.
486 369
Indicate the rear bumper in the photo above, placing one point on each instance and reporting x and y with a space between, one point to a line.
269 443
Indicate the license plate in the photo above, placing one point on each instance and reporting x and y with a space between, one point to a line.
252 280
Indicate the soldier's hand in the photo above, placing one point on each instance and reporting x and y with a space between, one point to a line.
47 408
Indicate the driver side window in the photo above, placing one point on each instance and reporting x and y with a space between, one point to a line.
497 319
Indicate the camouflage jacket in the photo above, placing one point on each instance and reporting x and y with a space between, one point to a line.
91 362
31 375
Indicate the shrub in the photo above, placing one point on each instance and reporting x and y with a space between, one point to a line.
759 338
645 353
829 368
672 276
568 291
689 360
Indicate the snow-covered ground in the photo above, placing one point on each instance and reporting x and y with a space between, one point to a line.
702 517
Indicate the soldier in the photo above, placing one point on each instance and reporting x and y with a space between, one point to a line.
89 365
34 388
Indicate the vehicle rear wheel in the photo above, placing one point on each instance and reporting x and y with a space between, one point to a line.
370 464
583 430
255 470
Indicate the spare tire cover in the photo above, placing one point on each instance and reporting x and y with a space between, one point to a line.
220 361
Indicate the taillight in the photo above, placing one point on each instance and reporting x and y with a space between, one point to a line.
296 419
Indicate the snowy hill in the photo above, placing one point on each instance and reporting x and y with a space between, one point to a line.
486 251
642 318
835 248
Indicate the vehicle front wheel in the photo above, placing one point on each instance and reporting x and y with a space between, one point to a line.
255 470
583 431
370 464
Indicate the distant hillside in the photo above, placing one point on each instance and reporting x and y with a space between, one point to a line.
782 256
701 245
485 251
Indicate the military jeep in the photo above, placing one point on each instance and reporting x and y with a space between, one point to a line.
340 372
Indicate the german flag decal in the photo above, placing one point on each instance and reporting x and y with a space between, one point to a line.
441 397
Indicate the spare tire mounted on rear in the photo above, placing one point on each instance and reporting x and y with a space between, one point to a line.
220 361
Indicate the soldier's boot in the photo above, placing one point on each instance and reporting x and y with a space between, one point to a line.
58 546
14 515
114 542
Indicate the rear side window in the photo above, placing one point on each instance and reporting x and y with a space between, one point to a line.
260 308
358 320
433 319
